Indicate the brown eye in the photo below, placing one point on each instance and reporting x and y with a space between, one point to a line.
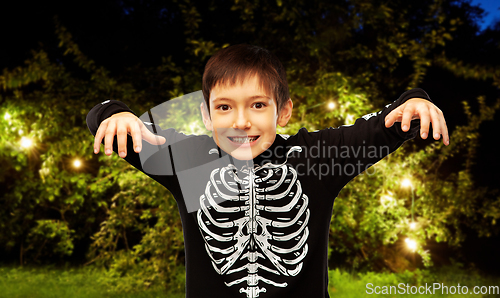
223 107
259 105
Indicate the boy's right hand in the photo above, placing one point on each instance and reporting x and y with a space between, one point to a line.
121 124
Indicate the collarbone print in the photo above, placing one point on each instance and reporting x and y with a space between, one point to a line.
259 231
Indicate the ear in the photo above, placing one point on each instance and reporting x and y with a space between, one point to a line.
206 117
285 114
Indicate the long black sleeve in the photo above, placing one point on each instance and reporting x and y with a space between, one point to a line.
153 160
104 110
159 162
348 150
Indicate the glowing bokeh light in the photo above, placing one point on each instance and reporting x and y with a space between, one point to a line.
77 163
26 142
406 183
331 105
412 244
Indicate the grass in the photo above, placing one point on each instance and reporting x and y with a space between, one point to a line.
48 282
55 283
346 285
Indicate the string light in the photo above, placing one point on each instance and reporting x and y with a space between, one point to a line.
330 105
26 142
406 183
413 225
77 163
412 244
6 116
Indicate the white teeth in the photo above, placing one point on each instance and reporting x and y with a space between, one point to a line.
243 140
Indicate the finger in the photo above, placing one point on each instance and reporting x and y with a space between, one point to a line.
436 124
108 138
392 117
406 118
99 135
425 119
121 136
444 129
151 138
136 135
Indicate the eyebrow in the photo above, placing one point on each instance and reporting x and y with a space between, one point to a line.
248 98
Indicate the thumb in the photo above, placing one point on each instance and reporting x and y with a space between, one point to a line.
151 138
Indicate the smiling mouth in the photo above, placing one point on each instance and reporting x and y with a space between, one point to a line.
243 140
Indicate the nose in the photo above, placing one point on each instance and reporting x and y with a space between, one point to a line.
242 121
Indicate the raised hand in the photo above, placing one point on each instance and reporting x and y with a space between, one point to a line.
121 124
426 111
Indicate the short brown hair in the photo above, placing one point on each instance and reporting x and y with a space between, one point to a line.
235 63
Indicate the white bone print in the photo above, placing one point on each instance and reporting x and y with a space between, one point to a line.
260 229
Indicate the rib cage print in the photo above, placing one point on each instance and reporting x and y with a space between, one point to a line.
259 231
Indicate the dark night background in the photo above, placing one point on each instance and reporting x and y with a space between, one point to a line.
117 38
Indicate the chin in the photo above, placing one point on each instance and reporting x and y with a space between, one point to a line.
243 154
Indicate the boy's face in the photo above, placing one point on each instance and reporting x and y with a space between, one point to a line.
243 118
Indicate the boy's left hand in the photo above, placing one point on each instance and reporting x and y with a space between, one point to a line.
426 111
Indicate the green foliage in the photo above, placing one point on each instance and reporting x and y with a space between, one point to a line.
157 258
371 229
347 285
54 232
87 282
44 195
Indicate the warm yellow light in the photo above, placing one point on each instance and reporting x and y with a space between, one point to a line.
331 105
413 225
26 142
412 244
406 183
6 116
77 163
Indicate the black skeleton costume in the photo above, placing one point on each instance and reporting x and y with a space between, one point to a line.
260 228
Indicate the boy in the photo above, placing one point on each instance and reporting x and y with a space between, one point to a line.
256 218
